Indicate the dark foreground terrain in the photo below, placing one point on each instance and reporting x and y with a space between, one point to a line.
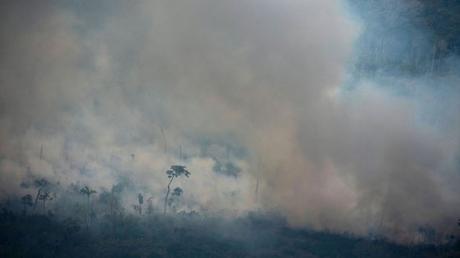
189 235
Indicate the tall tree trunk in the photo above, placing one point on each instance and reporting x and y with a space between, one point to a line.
167 195
112 214
257 189
88 215
36 197
111 203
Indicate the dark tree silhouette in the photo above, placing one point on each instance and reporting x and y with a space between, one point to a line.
45 196
40 184
177 192
114 203
173 172
140 199
88 192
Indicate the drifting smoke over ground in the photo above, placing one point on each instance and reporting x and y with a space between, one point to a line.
116 91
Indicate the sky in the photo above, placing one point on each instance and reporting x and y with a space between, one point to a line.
101 92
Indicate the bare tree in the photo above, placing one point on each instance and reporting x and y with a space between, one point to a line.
173 172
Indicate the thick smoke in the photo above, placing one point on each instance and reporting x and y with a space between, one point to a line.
101 92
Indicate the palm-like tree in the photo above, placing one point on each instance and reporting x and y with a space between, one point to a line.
88 192
40 184
46 196
173 172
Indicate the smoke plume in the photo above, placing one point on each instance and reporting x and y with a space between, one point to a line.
94 92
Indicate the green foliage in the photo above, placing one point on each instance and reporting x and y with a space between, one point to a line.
177 191
177 171
173 172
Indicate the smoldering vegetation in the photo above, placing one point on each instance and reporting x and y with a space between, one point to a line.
310 128
84 223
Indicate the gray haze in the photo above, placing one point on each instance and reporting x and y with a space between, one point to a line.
257 83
